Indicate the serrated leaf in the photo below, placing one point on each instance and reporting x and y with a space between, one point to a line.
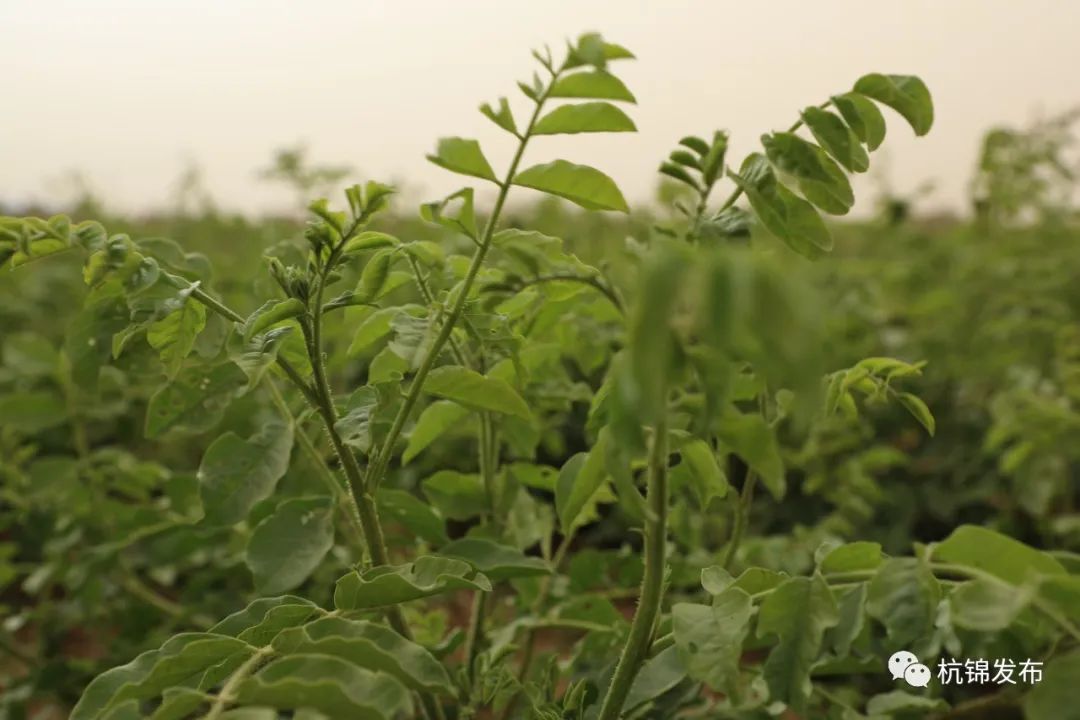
584 117
475 391
235 473
837 139
710 637
597 84
580 184
906 94
371 646
462 156
498 562
798 612
287 546
392 584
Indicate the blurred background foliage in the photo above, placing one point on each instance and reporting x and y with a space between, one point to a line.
990 303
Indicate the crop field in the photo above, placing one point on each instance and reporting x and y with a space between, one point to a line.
526 452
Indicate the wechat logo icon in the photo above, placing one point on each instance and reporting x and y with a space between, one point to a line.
904 664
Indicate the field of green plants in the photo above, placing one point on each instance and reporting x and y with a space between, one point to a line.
721 457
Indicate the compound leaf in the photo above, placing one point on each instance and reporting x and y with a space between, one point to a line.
906 94
584 118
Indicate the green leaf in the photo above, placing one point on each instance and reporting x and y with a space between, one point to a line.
903 704
356 424
369 240
462 156
863 116
286 547
373 276
271 313
821 181
374 328
580 478
368 645
988 605
173 336
454 212
750 437
906 94
852 557
194 399
181 658
501 117
658 674
918 410
498 562
264 618
837 138
784 214
389 584
584 117
437 419
457 496
580 184
597 84
417 517
798 612
903 596
257 355
475 391
710 638
36 410
707 479
327 684
1055 697
236 473
997 554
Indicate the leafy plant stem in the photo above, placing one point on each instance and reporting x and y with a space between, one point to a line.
377 468
742 517
242 673
737 192
642 627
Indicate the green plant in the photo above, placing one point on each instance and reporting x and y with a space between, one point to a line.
535 400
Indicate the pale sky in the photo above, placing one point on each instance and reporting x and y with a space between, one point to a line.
129 92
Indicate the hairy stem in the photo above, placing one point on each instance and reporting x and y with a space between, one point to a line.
652 585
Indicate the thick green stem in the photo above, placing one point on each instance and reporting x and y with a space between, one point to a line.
637 645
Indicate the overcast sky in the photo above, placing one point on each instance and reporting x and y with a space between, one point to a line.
130 92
